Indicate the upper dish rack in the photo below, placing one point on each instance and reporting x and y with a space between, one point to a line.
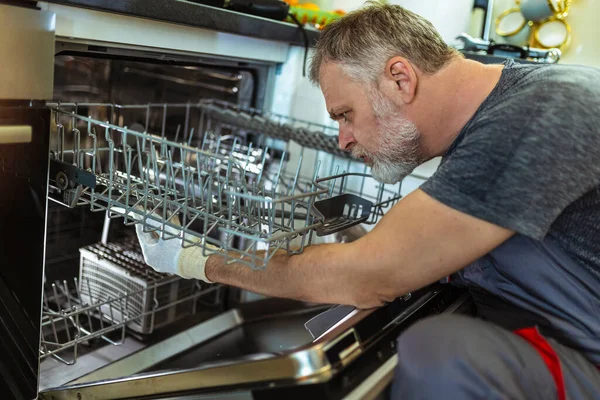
197 161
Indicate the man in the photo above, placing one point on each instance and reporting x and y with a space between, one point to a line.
513 212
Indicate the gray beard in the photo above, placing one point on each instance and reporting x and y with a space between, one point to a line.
399 143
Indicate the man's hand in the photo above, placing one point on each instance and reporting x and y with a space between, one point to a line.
169 256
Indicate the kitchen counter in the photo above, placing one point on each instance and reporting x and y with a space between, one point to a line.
201 16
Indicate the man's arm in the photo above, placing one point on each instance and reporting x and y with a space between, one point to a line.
419 241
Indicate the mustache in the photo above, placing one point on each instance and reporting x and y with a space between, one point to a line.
358 152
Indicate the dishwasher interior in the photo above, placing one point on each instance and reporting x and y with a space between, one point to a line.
186 149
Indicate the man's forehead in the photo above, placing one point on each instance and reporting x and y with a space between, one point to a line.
329 72
331 82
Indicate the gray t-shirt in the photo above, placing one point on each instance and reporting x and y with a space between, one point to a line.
529 159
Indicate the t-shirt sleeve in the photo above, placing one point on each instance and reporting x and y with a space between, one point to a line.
520 166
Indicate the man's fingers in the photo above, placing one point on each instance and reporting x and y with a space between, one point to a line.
145 238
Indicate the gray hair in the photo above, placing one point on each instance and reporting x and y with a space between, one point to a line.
363 41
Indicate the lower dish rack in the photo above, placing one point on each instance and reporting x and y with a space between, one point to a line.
116 291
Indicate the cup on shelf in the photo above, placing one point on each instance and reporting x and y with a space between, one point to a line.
553 33
540 10
513 27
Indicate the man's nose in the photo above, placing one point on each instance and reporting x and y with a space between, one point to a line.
346 139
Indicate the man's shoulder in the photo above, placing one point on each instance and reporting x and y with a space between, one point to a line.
533 73
551 82
530 94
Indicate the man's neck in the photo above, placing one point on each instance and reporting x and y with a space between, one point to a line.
449 99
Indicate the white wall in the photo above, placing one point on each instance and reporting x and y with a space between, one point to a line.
297 97
294 95
585 44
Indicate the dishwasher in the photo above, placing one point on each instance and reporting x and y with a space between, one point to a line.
99 134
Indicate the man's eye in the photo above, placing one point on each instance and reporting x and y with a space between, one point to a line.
345 116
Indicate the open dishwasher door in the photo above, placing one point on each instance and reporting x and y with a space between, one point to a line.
249 353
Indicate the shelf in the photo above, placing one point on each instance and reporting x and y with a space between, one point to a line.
201 16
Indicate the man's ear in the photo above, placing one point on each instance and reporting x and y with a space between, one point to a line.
400 73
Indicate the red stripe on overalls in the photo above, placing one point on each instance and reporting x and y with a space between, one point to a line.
533 336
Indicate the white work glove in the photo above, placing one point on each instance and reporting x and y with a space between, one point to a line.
169 256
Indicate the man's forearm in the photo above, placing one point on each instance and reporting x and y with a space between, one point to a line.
322 274
418 242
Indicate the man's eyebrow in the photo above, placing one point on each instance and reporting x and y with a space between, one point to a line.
334 114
